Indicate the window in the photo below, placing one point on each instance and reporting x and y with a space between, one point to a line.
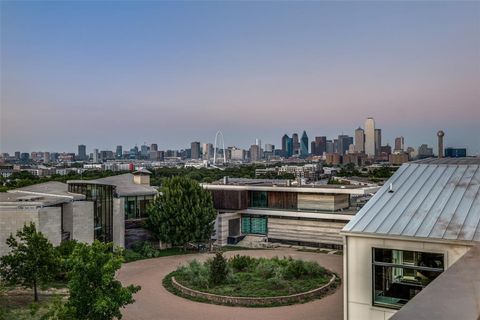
399 275
259 199
254 225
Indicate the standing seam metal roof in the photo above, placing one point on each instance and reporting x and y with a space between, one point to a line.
429 200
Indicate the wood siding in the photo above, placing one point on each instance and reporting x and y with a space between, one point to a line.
230 200
325 202
315 231
282 200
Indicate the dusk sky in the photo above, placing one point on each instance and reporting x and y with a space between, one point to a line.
108 73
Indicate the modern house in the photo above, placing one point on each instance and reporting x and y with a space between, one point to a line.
57 213
419 224
120 206
281 212
110 209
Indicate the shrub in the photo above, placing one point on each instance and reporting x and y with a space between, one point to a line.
130 255
196 273
218 269
241 263
266 268
295 269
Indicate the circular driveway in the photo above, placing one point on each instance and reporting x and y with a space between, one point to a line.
154 302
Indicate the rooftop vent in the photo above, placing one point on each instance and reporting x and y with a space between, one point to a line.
390 189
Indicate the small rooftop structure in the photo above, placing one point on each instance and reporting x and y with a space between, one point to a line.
431 198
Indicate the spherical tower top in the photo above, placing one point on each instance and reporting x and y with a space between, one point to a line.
440 133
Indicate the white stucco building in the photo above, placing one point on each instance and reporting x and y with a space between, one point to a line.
422 221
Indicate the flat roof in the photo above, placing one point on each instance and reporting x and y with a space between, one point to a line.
52 188
19 199
281 185
124 185
455 294
429 199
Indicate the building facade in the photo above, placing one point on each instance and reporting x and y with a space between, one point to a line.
422 221
283 213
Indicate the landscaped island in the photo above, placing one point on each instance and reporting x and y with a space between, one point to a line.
243 280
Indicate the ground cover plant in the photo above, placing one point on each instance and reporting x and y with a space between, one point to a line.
244 276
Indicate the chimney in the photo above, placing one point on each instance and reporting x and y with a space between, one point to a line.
440 135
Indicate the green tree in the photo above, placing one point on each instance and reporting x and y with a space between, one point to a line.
95 294
182 213
218 269
32 260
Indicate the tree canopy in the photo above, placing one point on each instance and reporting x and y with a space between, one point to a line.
32 260
182 213
95 294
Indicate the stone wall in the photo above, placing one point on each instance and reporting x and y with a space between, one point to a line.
248 301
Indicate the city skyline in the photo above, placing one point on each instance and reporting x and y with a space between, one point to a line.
172 73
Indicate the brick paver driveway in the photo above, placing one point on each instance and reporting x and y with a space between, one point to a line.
154 302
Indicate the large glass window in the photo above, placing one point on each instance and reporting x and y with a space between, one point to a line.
102 198
254 225
259 199
399 275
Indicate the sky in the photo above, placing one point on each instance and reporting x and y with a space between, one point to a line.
104 73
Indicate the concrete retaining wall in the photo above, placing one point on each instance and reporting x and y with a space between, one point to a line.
248 301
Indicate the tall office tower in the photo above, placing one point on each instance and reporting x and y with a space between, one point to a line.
285 139
46 157
144 151
329 147
440 135
82 152
133 153
370 137
399 144
195 150
258 142
269 147
313 149
335 145
359 140
304 145
424 151
344 142
153 147
289 148
17 155
95 156
255 153
378 141
207 151
296 143
119 152
320 145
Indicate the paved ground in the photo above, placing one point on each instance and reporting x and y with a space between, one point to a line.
154 302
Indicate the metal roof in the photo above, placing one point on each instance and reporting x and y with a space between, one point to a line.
435 200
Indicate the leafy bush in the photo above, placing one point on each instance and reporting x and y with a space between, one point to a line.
241 263
266 268
130 255
295 269
218 269
197 273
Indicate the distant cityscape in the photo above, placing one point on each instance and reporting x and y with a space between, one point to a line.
364 147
